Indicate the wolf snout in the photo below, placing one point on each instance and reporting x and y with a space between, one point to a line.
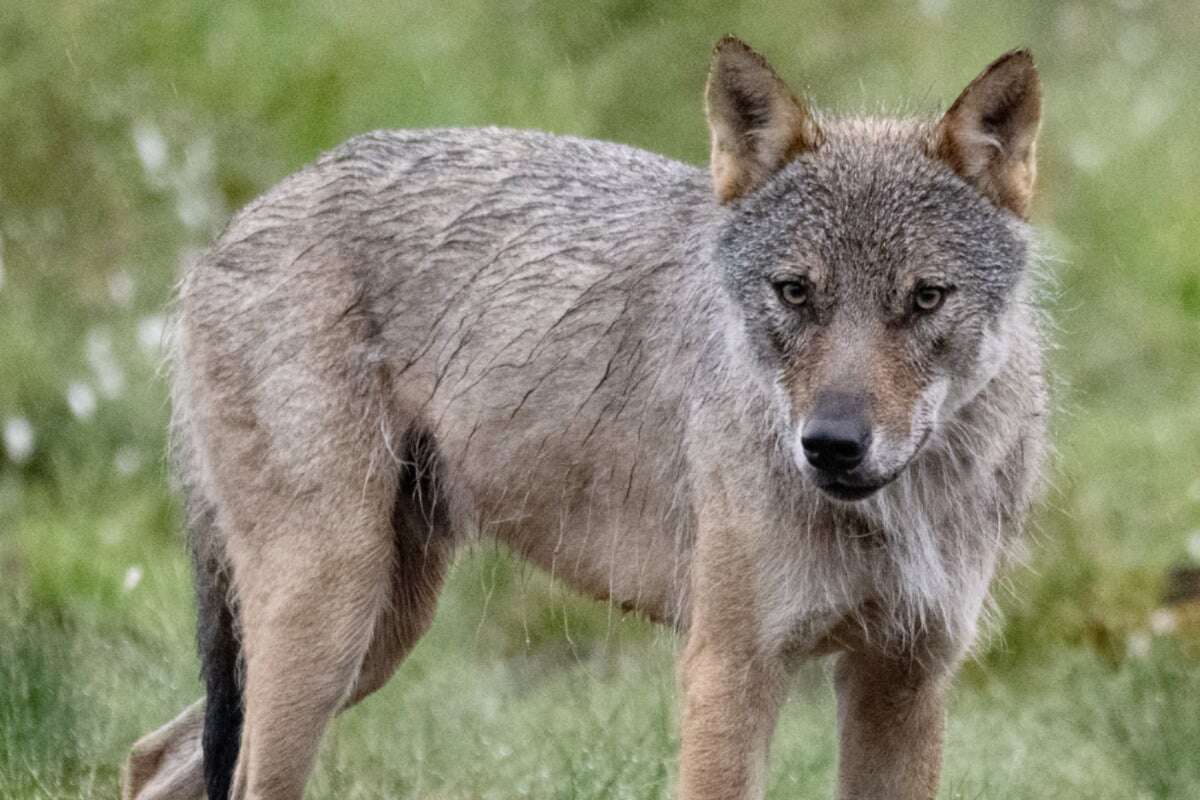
837 435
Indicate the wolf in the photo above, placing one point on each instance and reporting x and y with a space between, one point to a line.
791 406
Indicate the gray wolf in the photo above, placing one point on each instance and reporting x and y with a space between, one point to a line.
792 407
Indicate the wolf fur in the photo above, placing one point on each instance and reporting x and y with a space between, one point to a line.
613 362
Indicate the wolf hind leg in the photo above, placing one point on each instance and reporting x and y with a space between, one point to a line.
167 764
311 587
422 545
306 635
417 577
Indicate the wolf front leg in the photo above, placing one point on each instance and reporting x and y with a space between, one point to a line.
732 683
731 702
891 714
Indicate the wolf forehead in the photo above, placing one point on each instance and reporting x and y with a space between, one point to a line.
874 199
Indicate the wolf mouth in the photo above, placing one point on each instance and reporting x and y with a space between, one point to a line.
840 489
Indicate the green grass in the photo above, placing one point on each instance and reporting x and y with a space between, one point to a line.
129 132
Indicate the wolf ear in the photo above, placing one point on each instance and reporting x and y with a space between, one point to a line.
756 124
988 136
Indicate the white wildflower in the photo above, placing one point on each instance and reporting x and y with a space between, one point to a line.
127 460
1139 644
150 333
81 400
109 375
191 208
18 439
112 533
121 289
194 193
1193 545
133 576
1150 110
151 147
1163 622
199 157
1087 155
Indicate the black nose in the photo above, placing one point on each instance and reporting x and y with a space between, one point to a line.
836 442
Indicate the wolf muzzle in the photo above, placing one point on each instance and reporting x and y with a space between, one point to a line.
836 438
837 434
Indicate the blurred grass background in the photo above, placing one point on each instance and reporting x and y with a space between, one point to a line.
130 130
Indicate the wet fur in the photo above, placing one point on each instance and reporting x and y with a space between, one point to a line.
428 337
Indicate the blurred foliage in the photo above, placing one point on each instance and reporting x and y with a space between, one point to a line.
130 130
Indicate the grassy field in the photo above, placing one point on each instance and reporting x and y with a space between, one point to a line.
130 130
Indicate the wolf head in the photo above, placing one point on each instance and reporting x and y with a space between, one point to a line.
877 262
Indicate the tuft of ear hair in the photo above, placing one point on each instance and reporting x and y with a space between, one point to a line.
989 134
757 125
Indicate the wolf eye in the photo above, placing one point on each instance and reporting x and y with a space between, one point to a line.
793 292
928 299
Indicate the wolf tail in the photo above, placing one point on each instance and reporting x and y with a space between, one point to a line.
220 657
